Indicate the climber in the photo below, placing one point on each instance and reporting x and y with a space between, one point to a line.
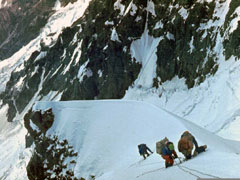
185 145
143 150
168 153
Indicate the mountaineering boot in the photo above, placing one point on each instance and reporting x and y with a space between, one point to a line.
195 153
167 165
144 157
200 149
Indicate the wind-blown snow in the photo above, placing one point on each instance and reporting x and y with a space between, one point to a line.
144 51
106 134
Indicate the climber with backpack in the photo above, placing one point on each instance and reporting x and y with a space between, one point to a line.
166 149
185 145
143 150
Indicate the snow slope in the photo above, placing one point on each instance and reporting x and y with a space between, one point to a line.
14 157
214 104
106 135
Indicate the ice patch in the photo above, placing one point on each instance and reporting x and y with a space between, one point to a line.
119 6
191 45
82 71
138 18
19 84
183 12
100 73
41 55
34 127
114 35
158 25
109 23
151 8
234 23
170 36
133 10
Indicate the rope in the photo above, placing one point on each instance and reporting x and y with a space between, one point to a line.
200 172
148 172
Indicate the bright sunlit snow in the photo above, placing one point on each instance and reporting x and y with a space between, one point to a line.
144 51
106 134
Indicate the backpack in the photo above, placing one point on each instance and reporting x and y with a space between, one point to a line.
141 148
160 145
184 144
187 135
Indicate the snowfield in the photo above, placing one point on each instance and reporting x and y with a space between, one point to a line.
106 134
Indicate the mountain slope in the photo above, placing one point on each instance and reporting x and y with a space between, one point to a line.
12 135
106 134
22 21
181 56
98 57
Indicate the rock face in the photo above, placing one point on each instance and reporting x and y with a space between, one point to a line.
48 159
92 58
21 21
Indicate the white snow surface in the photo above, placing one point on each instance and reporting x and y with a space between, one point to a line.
144 51
118 5
106 134
183 12
114 35
14 157
151 8
234 22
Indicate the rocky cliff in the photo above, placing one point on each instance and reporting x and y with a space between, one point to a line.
21 21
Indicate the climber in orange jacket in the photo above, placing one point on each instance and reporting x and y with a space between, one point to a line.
185 145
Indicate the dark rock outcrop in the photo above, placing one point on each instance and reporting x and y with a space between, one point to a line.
50 153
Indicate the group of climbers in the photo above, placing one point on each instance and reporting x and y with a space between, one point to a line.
166 148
